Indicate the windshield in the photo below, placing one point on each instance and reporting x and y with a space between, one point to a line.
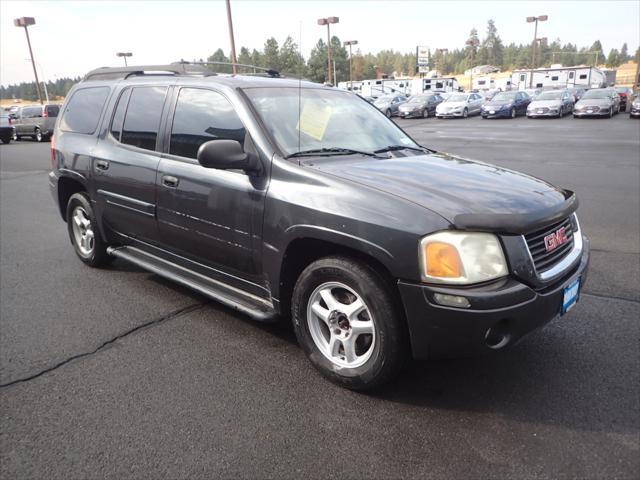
504 96
597 94
323 119
457 98
418 99
550 96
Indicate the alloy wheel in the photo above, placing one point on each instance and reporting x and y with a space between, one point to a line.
83 231
341 325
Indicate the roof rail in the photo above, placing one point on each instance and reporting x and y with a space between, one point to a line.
177 68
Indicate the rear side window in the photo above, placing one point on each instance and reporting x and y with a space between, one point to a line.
82 113
52 110
142 119
118 117
202 115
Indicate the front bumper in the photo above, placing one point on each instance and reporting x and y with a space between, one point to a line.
584 113
635 112
412 114
6 131
502 113
505 306
449 114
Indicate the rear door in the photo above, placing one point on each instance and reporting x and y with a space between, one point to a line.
125 162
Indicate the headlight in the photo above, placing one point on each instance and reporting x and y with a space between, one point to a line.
461 258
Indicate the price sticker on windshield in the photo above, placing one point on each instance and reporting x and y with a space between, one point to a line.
314 119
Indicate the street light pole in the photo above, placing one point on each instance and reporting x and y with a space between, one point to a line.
539 18
473 43
233 42
44 83
328 21
124 55
349 43
25 22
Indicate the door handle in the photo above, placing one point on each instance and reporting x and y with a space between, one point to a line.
170 181
102 165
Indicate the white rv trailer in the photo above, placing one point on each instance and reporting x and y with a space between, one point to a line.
377 87
421 85
559 77
489 82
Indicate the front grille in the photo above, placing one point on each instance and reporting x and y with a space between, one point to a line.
542 110
542 259
594 108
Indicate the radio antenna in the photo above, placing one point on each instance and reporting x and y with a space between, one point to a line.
300 60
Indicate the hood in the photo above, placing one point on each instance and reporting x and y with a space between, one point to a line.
545 103
470 195
598 102
498 103
407 107
451 105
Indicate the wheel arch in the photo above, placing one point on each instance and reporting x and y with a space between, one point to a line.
67 187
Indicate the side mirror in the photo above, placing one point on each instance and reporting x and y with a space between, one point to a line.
226 155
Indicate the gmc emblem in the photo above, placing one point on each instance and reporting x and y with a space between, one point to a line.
555 239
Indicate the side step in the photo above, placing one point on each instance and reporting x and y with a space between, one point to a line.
249 304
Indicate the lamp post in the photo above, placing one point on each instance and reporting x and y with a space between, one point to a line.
25 22
539 18
124 55
233 42
44 83
328 21
349 43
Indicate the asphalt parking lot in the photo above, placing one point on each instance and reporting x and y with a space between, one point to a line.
118 373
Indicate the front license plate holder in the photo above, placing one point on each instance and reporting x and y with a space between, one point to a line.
570 296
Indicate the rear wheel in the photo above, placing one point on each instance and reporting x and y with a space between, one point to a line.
38 135
84 231
346 321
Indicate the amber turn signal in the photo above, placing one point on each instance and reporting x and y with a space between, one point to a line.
442 260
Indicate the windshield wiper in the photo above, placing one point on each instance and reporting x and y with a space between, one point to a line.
331 151
392 148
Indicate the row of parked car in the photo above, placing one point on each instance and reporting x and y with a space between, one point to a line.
597 102
34 121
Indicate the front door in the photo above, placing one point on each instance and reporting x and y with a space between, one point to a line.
209 216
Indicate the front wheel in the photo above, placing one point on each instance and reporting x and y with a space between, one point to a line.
465 113
513 113
388 113
6 139
425 113
84 231
347 322
38 135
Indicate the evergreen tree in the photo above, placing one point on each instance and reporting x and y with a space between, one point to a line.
471 50
624 53
613 60
493 45
271 54
599 58
219 56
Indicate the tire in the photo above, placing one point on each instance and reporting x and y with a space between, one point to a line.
82 224
388 113
575 116
611 113
38 135
377 354
16 137
425 113
512 113
465 113
6 139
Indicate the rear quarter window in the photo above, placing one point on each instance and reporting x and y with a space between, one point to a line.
82 112
52 110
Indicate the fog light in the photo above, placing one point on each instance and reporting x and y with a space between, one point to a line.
451 300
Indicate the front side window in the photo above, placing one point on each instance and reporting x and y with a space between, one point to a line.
82 112
314 118
200 116
142 119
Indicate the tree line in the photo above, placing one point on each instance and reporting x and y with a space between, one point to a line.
286 58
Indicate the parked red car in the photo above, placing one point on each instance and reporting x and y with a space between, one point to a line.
626 95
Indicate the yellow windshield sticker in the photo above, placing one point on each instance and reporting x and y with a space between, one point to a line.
314 119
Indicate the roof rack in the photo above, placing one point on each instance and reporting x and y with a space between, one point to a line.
176 68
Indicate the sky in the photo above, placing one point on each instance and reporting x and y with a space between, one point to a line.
72 37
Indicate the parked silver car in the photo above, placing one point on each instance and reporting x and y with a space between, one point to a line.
35 121
389 104
598 102
460 105
551 103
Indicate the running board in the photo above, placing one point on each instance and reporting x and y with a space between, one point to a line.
244 302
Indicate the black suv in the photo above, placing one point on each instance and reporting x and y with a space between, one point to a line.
279 197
